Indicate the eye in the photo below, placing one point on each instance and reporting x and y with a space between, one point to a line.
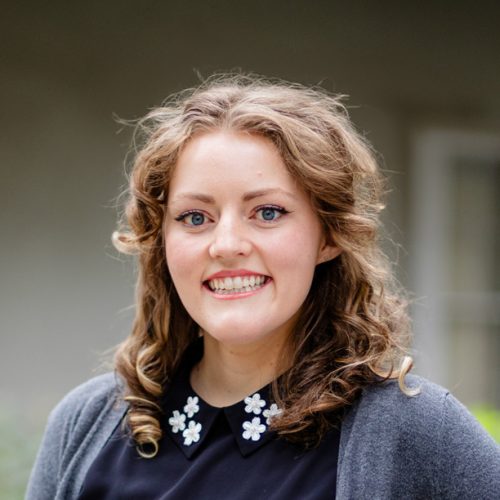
192 218
270 213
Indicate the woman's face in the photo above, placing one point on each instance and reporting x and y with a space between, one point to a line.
241 237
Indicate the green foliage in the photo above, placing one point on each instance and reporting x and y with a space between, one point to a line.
489 419
19 440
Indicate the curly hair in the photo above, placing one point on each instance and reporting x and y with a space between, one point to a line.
353 328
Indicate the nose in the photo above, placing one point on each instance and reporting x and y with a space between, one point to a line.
230 239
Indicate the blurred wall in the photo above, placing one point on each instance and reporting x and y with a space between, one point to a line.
68 67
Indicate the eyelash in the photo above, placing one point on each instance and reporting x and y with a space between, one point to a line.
182 217
282 211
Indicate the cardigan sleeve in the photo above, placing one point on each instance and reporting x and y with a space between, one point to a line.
76 430
469 458
427 446
46 470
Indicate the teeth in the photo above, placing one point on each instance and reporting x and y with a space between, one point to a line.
237 284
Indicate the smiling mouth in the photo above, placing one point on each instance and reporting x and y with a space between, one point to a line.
237 284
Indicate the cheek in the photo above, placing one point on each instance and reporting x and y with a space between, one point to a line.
181 258
294 255
298 246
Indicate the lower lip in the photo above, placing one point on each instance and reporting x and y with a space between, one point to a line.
235 296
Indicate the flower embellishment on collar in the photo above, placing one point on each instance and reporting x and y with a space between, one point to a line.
192 433
271 412
177 421
254 404
191 406
254 429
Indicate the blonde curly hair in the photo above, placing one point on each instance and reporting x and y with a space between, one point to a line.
354 326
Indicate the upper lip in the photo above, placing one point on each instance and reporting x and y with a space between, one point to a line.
232 273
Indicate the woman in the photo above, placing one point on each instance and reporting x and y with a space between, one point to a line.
267 355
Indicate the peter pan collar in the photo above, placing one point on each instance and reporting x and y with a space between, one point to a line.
189 419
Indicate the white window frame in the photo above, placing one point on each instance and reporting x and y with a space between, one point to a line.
434 152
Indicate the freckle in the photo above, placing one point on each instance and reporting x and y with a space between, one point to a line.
259 173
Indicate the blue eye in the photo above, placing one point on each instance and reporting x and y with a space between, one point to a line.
270 213
197 219
191 218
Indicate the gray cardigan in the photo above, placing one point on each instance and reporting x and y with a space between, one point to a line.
392 446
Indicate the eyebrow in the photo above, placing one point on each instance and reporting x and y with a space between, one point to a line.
263 192
205 198
250 195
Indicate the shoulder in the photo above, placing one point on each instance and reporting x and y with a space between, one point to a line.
88 398
388 402
384 414
429 441
424 419
77 428
97 400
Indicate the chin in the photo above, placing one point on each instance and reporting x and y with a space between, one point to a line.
238 335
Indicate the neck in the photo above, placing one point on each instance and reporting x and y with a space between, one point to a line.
228 373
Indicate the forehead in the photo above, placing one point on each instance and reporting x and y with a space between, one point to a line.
225 159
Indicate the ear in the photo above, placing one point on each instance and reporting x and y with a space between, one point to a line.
328 252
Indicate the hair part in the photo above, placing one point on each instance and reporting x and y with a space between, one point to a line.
354 327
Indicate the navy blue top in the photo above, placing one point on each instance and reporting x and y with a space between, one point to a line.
210 452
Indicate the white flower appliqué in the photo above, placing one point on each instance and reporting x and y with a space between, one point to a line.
192 433
191 406
254 404
253 429
177 421
273 411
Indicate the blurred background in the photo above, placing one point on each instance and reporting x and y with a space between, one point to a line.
423 85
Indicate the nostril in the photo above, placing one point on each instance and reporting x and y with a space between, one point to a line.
229 246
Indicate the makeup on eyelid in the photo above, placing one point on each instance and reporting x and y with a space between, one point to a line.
265 210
